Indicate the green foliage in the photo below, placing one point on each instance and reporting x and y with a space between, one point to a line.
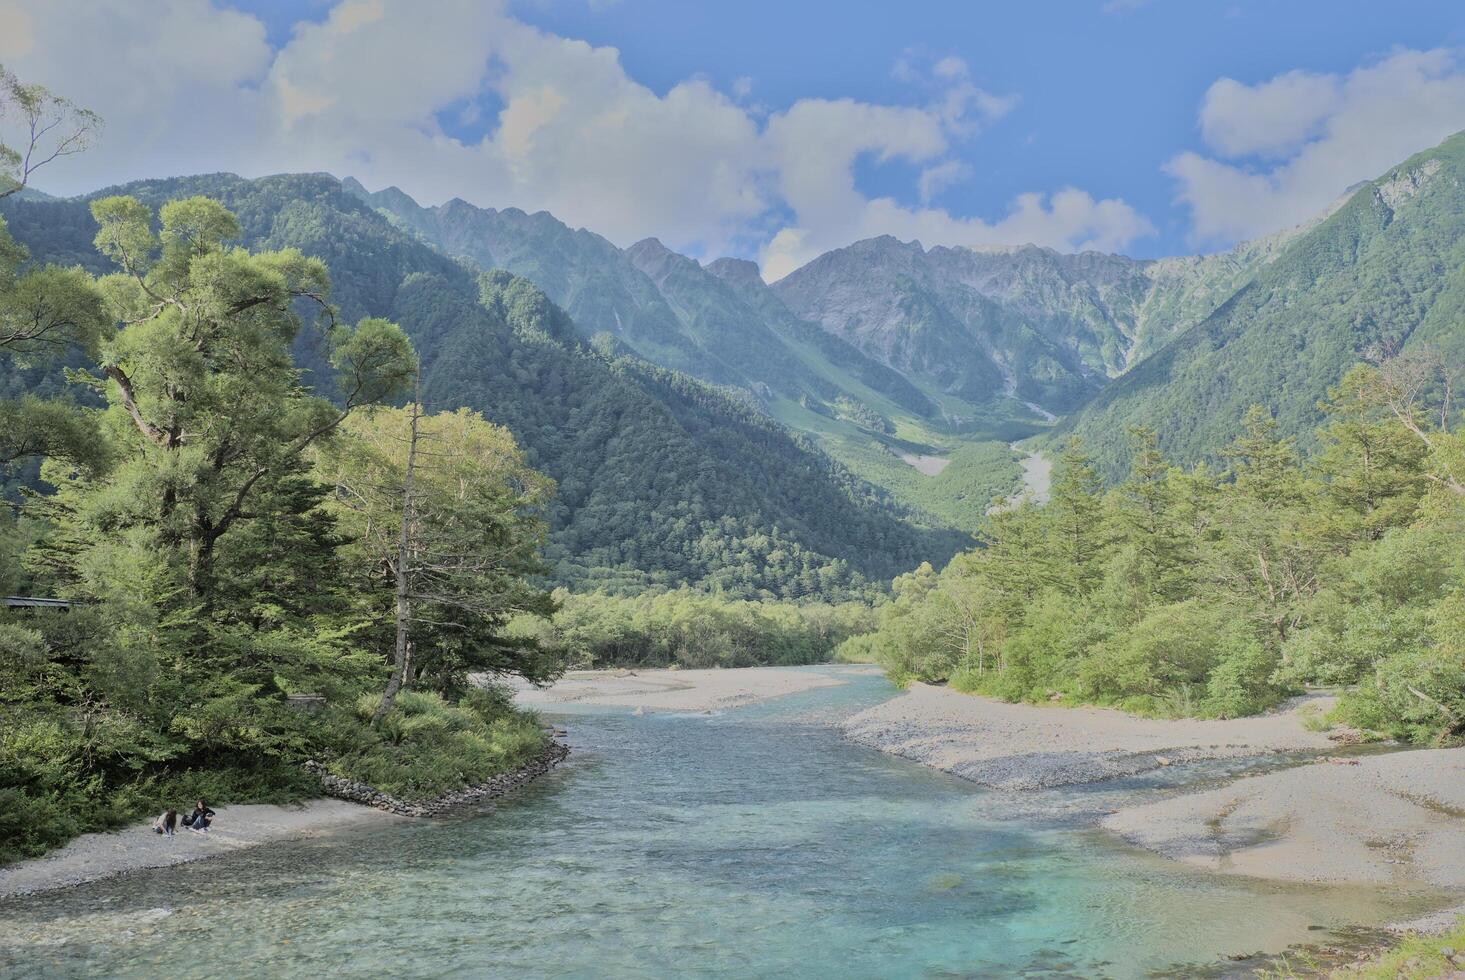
475 536
429 746
862 415
1416 957
32 428
46 314
1385 272
215 573
959 496
1215 594
691 629
663 481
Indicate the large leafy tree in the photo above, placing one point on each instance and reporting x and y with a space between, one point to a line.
445 520
199 382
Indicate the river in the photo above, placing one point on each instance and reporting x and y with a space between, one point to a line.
753 843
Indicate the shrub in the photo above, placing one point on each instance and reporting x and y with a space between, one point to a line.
431 746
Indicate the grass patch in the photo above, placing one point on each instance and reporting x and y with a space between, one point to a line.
1416 958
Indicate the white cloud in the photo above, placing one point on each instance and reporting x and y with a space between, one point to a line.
815 146
145 70
362 91
950 67
1323 133
938 177
1270 119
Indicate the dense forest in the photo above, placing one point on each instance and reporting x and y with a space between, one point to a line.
228 539
1203 591
663 480
684 628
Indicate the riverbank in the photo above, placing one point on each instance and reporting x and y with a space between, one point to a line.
1384 819
1025 747
93 857
1396 818
1037 478
96 856
675 690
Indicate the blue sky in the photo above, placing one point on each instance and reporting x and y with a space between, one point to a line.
778 130
1107 93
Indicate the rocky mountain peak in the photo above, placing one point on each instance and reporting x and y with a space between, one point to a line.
736 271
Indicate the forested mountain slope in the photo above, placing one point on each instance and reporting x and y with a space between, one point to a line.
665 306
1385 271
723 324
661 478
1028 322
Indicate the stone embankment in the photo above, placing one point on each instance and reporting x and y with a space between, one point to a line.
358 792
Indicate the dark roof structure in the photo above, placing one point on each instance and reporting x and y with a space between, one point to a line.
31 601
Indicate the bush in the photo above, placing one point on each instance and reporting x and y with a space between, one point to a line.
1417 695
1241 683
31 825
431 746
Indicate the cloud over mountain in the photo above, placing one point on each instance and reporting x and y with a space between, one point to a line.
461 98
1286 147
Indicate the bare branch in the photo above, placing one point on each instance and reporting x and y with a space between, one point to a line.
129 402
55 127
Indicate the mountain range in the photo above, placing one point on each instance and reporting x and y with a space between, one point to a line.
883 351
1383 272
662 479
827 430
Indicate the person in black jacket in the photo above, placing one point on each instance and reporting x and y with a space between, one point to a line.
200 818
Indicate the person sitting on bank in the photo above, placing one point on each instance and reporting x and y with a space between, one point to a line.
200 818
166 823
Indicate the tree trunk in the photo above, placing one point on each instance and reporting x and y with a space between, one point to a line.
402 657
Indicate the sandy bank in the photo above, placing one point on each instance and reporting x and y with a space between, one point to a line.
1398 817
925 465
676 690
92 857
1392 818
1037 478
1021 746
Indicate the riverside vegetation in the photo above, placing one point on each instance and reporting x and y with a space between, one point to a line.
684 628
229 538
1217 593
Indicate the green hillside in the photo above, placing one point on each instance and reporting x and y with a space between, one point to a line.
723 324
1385 271
662 479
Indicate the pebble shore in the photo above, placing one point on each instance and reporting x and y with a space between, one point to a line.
94 857
1031 747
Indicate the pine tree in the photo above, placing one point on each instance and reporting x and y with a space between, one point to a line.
1075 535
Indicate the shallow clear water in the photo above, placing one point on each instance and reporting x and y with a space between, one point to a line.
744 844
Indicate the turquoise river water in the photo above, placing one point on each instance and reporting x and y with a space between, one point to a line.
753 843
